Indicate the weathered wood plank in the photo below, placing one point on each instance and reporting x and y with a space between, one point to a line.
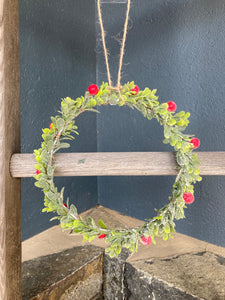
117 164
10 215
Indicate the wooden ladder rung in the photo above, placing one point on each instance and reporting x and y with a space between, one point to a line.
117 164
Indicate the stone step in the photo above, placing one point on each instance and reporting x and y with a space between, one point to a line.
71 274
182 268
77 273
189 276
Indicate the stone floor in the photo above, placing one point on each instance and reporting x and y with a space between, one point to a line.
180 268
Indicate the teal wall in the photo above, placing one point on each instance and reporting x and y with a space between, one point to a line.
57 57
176 46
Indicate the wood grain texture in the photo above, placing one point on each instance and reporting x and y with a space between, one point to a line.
10 208
117 164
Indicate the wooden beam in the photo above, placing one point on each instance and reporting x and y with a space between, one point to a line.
117 164
10 207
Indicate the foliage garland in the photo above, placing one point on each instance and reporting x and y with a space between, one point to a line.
62 128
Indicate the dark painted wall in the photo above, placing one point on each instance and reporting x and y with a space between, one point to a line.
175 46
57 49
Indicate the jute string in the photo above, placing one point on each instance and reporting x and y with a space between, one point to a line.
106 53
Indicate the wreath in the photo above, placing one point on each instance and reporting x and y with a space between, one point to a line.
63 127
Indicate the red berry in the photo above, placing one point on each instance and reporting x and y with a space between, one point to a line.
102 236
188 198
171 106
50 126
135 90
38 172
93 89
65 205
195 142
146 241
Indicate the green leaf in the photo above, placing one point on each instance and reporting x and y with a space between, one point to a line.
78 223
91 238
199 178
163 106
162 109
91 103
153 241
149 115
173 140
197 171
64 220
85 238
171 122
179 213
60 123
167 228
54 218
165 236
50 144
180 159
131 100
91 222
154 97
167 131
146 92
63 146
42 184
181 123
79 102
100 101
37 152
73 210
187 115
118 251
37 184
166 141
38 166
158 218
113 99
45 156
178 145
46 130
101 224
180 114
50 170
51 196
156 231
38 158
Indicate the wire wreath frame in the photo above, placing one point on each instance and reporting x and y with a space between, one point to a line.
63 127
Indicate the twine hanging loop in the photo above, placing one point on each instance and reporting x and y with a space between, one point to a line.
122 49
